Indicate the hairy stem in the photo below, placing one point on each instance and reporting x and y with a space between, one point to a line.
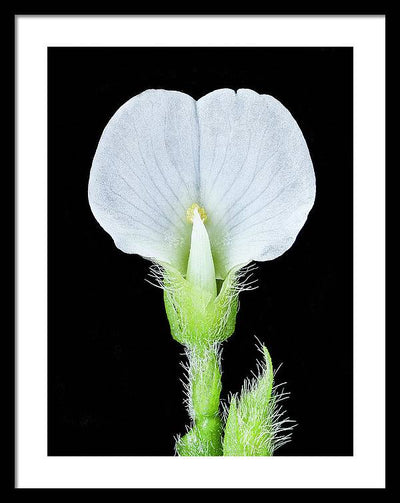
204 388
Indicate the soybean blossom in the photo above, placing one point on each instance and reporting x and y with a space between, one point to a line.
202 189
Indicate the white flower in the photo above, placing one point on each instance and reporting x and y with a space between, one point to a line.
230 171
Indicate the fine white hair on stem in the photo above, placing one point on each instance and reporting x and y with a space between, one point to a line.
185 380
201 387
194 368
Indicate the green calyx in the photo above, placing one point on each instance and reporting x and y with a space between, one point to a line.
199 314
196 317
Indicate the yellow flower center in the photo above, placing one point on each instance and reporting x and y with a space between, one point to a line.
190 213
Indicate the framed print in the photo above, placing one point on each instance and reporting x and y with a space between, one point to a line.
237 163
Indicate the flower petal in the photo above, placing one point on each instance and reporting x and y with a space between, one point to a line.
145 174
257 181
200 270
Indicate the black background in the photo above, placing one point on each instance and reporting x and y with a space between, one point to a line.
113 367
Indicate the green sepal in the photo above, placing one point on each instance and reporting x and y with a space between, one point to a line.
195 317
232 444
249 426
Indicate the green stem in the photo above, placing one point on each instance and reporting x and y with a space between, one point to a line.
204 438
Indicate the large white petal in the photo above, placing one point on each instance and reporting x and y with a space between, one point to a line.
257 181
145 175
